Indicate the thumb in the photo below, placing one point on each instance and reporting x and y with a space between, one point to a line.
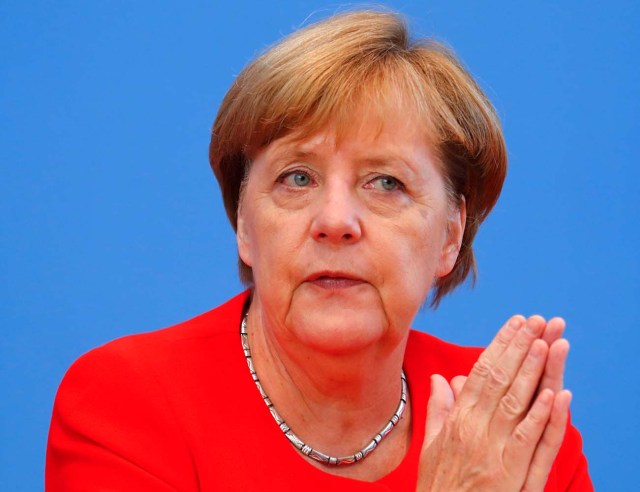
457 384
440 404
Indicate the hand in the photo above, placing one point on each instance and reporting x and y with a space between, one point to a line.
491 431
554 369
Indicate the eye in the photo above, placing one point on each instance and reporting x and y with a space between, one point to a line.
295 179
386 183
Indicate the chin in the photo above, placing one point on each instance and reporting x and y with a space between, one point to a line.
339 329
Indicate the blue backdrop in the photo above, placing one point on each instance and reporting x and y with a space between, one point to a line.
112 223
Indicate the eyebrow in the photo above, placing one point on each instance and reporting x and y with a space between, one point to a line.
289 151
383 160
294 150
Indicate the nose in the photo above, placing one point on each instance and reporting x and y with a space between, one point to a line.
337 218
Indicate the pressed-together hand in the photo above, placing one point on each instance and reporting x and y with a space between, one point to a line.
501 428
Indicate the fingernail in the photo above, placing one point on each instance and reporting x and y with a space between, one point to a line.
515 322
569 397
533 327
546 396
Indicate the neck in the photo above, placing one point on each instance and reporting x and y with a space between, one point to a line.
335 403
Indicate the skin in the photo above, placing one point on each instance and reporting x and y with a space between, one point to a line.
508 420
392 243
345 238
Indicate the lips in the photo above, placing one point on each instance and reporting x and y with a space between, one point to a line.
334 280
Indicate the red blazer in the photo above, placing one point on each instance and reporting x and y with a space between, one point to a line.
176 409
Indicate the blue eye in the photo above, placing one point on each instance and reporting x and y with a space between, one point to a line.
386 183
301 179
296 179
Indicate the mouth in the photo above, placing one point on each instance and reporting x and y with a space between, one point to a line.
334 280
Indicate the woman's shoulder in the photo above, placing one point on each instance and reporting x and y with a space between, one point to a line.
201 330
148 360
133 404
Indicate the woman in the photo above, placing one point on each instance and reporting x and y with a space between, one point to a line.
356 167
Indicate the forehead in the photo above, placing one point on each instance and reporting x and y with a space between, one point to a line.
375 133
395 145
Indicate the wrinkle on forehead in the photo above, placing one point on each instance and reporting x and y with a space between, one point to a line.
367 124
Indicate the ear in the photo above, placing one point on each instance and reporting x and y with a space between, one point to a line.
243 238
453 240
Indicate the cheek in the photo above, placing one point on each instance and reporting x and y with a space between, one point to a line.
413 257
272 239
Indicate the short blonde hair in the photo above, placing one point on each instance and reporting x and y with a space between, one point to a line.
326 71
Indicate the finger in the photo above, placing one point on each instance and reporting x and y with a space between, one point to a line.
554 330
488 358
549 445
517 401
504 336
457 383
439 406
522 444
553 377
504 372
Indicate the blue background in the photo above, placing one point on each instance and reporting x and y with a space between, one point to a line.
111 222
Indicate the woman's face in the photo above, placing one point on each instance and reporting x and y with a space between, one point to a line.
345 238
